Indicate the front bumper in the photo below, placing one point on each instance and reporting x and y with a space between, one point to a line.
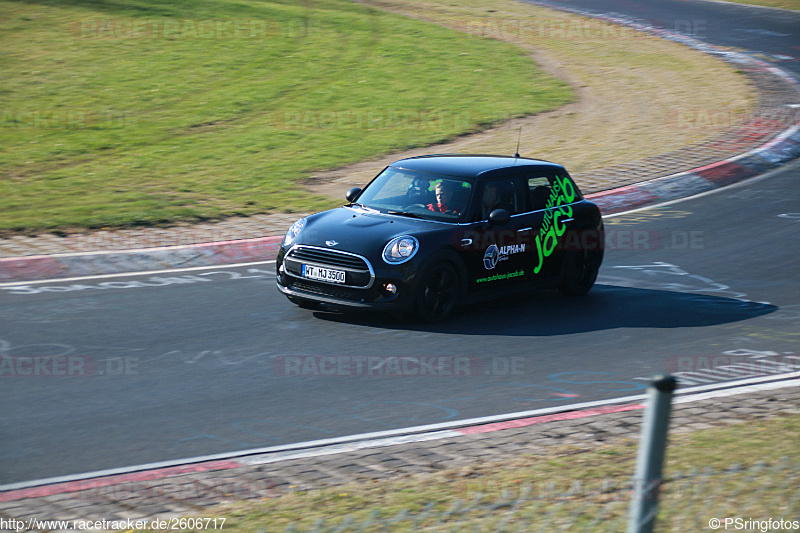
391 305
368 293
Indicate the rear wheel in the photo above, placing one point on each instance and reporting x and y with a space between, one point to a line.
580 272
438 293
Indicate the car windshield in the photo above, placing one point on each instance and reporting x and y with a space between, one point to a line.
418 194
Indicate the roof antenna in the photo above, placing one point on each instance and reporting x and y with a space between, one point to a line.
516 154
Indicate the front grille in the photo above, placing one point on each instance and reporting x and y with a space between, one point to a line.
325 289
332 258
358 271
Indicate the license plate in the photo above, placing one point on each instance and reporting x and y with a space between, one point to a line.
323 274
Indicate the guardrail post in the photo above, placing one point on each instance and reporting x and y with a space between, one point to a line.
650 460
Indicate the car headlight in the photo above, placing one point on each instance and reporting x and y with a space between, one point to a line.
294 230
400 249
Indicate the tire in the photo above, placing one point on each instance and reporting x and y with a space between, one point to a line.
438 292
304 304
580 272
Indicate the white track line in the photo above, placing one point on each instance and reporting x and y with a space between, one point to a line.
130 274
236 265
420 433
427 432
748 181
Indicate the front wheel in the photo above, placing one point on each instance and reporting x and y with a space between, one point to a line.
580 272
438 293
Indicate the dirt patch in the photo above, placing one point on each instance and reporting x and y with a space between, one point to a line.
638 95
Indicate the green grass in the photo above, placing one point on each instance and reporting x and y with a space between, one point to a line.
572 485
137 113
793 5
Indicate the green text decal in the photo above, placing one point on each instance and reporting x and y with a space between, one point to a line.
497 277
563 193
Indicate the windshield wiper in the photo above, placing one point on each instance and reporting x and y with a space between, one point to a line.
405 214
362 206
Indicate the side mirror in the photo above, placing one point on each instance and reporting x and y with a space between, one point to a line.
352 194
499 217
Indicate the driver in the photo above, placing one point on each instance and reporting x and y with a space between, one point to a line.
445 193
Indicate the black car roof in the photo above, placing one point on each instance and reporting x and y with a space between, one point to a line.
470 166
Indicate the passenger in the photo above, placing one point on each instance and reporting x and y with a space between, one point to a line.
490 199
497 195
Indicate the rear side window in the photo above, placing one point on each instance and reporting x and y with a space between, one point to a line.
504 193
551 189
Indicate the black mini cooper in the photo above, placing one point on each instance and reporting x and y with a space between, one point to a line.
429 233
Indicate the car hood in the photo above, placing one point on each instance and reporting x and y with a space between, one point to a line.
358 231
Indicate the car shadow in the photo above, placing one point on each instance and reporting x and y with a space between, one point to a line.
547 313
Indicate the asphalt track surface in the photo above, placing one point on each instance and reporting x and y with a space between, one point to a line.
182 364
165 366
772 33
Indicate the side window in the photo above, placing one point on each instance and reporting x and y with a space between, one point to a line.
558 186
540 188
501 194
